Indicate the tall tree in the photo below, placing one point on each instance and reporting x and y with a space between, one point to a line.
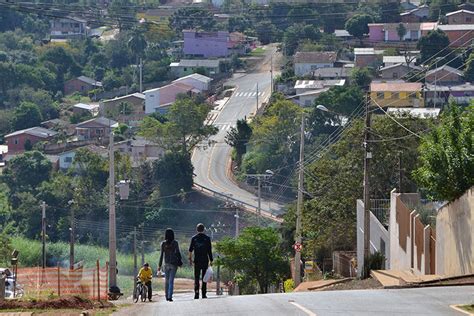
401 31
358 25
238 138
469 72
184 127
26 115
174 173
434 43
256 255
447 155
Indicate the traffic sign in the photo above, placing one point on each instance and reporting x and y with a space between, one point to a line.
298 246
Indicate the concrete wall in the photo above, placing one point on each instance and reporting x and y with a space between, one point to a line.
379 238
455 236
302 69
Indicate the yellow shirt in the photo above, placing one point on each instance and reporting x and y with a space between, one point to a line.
145 275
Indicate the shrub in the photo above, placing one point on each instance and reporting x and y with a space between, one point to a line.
289 285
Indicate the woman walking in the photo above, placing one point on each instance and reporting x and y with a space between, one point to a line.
170 249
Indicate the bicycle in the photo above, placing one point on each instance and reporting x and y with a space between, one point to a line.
140 291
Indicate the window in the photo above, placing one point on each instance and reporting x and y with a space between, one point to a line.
468 19
98 131
395 75
68 159
16 141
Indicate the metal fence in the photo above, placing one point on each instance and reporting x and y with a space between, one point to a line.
381 209
40 282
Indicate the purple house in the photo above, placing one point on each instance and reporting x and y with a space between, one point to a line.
387 32
212 44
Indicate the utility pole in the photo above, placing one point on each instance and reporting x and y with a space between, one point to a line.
299 205
367 157
236 222
112 228
257 98
135 268
259 190
143 247
141 75
400 175
271 74
71 239
43 233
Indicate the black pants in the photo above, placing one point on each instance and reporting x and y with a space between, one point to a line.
199 272
148 285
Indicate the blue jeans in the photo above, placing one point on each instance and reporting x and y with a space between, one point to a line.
170 272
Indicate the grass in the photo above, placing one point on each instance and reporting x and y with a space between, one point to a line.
259 51
30 256
468 308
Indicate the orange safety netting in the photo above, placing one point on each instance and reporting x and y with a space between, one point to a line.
41 282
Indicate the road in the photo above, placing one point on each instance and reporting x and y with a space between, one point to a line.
422 301
211 164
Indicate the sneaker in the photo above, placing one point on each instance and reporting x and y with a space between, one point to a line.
196 296
149 300
170 300
204 296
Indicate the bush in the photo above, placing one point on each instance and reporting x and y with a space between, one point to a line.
289 285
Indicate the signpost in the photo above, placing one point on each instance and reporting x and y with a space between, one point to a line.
297 247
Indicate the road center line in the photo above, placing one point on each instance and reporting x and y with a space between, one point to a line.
304 309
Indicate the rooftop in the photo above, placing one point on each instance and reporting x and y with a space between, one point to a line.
459 11
456 27
315 57
89 107
400 65
136 95
34 131
318 84
102 121
195 76
395 86
364 51
90 81
331 72
414 112
446 68
210 63
396 59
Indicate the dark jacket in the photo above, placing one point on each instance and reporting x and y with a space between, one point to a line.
171 252
202 248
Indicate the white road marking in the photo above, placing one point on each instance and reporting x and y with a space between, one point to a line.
304 309
253 94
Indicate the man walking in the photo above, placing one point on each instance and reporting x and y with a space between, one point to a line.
202 248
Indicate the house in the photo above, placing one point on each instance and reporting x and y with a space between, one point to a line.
408 5
309 90
213 44
387 32
95 128
439 95
444 75
139 150
414 112
393 60
81 84
460 35
306 62
189 66
82 108
419 14
396 71
159 99
332 73
59 125
367 57
66 159
128 109
342 34
460 17
197 81
68 28
22 140
396 94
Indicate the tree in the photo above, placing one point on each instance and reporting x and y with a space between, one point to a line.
341 99
238 138
358 25
26 172
174 173
447 155
184 128
361 77
434 43
192 18
26 115
469 72
137 43
401 31
123 11
256 255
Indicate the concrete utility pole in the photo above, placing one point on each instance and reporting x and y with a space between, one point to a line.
135 268
112 222
236 222
259 190
141 75
271 74
367 157
400 172
143 247
257 97
299 205
71 239
43 233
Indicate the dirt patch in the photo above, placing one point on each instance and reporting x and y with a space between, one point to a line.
355 284
73 302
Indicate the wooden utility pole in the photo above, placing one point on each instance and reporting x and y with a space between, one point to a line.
43 233
112 222
367 157
143 247
71 240
299 205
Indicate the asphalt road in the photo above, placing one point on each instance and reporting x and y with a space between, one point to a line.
407 302
211 163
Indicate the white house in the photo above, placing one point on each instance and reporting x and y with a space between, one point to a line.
307 91
307 62
66 159
197 81
394 60
139 150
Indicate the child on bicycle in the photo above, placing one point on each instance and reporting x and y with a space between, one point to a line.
145 274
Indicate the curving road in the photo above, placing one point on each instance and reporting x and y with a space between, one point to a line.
211 163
